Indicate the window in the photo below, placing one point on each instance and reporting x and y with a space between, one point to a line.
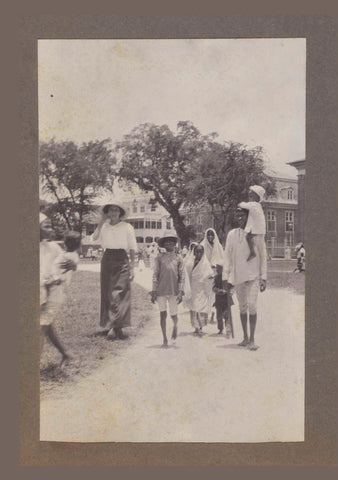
271 221
290 194
149 239
159 224
153 224
168 224
156 239
142 208
289 221
139 239
153 207
138 223
148 224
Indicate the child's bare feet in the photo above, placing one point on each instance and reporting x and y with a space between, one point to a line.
253 346
244 343
174 333
251 256
66 359
165 343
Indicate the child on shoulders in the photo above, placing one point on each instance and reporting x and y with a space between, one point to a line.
255 226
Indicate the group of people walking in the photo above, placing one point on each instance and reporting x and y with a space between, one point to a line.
205 278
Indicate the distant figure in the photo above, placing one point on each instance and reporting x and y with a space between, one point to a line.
141 264
300 252
200 277
222 302
184 251
153 251
255 227
168 283
90 253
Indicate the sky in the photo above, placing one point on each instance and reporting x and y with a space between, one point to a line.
250 91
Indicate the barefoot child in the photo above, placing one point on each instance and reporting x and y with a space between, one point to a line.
168 283
255 226
200 276
222 302
51 295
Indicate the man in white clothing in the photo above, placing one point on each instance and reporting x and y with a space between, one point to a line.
247 277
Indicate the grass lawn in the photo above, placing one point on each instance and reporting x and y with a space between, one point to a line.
79 330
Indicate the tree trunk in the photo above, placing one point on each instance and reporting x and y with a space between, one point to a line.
182 231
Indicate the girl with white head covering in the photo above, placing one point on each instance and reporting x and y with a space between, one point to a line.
200 275
215 254
212 248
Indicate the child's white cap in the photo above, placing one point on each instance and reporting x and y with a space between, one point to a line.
260 191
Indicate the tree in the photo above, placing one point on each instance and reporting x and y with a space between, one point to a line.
73 176
162 162
222 180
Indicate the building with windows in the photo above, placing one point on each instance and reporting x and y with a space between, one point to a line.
299 165
282 219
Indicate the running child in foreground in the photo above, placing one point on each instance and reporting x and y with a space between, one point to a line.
168 283
255 226
53 266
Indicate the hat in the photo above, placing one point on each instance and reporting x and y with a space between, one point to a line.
42 217
166 236
113 201
260 191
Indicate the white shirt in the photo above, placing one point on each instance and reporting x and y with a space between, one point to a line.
256 218
236 268
119 236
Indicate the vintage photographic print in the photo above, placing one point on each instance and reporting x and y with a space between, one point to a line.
172 249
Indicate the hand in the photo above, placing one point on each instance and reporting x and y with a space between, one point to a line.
68 265
153 296
179 298
262 285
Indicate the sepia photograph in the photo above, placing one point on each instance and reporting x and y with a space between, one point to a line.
172 242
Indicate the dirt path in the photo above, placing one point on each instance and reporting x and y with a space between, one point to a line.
198 390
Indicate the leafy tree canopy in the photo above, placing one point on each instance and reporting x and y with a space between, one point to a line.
73 176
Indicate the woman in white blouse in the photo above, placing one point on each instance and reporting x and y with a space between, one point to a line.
117 239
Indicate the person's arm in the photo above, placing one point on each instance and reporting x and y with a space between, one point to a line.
227 264
155 279
247 205
132 263
96 235
181 280
262 262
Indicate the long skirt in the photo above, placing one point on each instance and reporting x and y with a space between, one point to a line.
115 289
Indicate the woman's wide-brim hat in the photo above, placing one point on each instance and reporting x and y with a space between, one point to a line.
167 236
117 202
